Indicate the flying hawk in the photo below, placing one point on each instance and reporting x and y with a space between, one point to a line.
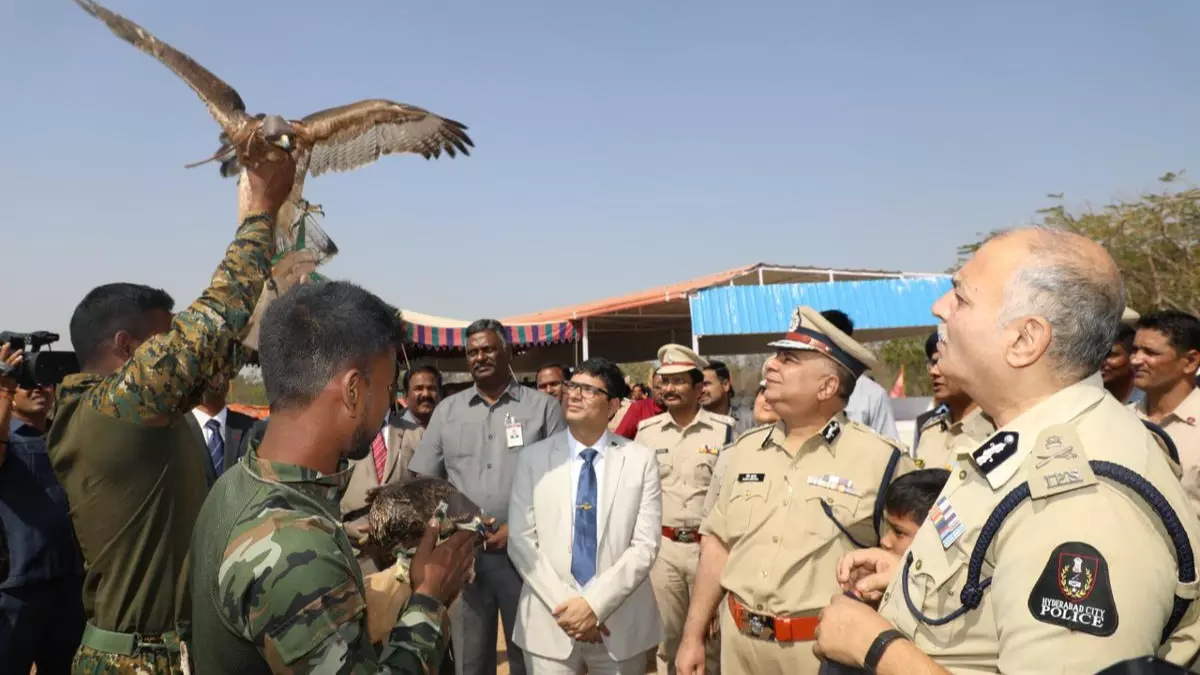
337 139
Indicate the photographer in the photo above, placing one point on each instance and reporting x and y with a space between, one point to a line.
121 448
40 596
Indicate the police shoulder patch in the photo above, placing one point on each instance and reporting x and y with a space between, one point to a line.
1075 591
1057 464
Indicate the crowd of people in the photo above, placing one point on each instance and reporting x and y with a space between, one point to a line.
1044 519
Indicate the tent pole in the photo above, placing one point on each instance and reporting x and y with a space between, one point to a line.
585 338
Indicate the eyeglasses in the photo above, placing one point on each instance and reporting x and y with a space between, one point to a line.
587 391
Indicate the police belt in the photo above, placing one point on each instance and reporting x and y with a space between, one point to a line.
128 644
683 535
772 628
971 595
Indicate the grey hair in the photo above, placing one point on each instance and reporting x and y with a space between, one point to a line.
485 325
1080 302
316 331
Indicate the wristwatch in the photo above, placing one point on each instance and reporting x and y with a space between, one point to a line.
879 646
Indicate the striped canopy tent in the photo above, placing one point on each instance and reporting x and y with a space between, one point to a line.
442 341
426 331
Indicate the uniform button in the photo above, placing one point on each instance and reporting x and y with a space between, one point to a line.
764 574
829 500
886 596
774 540
962 474
785 502
489 466
759 607
489 437
918 566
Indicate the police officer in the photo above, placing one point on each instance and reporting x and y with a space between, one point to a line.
1064 544
795 497
686 440
958 424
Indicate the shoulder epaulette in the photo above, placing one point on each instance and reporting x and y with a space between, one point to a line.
934 419
723 419
1059 464
651 421
862 428
751 432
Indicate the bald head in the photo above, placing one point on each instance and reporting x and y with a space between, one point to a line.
1072 283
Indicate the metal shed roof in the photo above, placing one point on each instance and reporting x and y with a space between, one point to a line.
881 308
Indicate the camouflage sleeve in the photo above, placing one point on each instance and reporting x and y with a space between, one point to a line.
293 593
167 373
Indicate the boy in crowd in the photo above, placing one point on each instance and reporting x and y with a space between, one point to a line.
907 504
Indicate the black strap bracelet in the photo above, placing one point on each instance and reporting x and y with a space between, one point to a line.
879 646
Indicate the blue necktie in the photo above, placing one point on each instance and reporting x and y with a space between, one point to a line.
583 548
216 445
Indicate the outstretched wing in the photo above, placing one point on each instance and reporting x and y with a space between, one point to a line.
222 101
354 135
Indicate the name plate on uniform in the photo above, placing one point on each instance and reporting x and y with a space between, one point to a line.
751 477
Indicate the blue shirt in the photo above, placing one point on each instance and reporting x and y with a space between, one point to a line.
33 513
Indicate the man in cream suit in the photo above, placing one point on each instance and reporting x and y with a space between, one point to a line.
585 523
391 451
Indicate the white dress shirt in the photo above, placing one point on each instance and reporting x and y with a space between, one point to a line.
202 419
577 449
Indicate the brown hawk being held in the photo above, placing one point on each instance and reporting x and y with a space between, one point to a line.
337 139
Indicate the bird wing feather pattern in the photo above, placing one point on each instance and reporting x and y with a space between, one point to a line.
354 135
223 101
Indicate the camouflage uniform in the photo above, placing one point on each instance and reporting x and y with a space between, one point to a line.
277 589
121 449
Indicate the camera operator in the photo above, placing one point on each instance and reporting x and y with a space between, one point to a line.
121 448
40 597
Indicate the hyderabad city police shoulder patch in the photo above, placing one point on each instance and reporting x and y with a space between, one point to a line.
1075 591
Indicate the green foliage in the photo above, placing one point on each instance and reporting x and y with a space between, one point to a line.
247 391
1153 241
909 353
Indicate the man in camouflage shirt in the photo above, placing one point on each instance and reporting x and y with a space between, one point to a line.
123 453
276 588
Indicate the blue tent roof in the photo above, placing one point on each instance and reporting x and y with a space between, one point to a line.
876 304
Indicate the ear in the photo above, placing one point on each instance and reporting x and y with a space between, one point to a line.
1029 340
614 404
124 345
829 387
1191 362
353 390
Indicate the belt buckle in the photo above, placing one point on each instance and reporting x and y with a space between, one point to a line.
686 536
760 626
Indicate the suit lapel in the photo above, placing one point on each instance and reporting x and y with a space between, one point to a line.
614 466
560 464
395 436
233 438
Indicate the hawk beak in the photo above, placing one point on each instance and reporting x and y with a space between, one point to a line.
285 142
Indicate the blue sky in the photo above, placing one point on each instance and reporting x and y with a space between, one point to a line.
633 143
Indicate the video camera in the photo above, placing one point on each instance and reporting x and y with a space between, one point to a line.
39 368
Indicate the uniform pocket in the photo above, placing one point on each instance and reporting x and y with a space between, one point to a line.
747 504
828 506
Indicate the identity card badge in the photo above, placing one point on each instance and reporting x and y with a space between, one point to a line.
512 432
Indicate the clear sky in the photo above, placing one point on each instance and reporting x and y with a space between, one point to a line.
631 143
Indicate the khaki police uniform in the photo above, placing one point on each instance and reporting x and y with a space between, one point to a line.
686 457
1183 426
942 440
1082 571
787 517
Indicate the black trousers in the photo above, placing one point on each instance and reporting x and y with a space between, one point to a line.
41 624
